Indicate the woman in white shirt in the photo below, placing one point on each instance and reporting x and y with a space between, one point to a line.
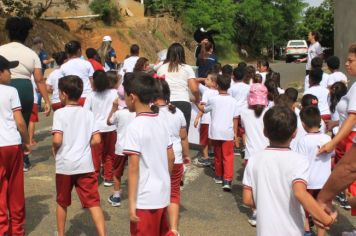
180 78
314 50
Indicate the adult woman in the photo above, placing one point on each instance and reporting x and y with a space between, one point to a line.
29 65
314 50
180 78
206 59
107 54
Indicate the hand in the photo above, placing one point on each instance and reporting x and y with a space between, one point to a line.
115 104
328 208
133 217
237 142
26 148
47 110
326 148
196 122
330 124
187 161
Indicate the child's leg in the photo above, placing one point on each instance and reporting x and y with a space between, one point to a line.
205 149
109 141
228 159
173 208
61 219
218 158
96 152
118 171
98 218
64 185
4 220
31 132
204 140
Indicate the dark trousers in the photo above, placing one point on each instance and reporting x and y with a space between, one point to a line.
186 108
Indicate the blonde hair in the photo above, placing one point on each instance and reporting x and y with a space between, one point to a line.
103 51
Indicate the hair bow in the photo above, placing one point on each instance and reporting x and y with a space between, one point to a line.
314 102
156 76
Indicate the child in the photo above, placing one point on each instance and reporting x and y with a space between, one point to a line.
100 103
239 89
337 91
205 119
322 93
177 129
273 93
227 70
276 76
317 63
34 116
276 178
13 133
311 100
222 131
74 131
142 65
52 80
263 69
94 59
320 166
249 74
333 63
114 79
151 158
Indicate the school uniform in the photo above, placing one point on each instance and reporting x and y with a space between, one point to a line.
74 164
52 81
337 76
323 95
223 110
147 136
270 175
100 103
12 196
206 119
323 83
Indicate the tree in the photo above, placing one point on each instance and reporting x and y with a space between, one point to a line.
107 9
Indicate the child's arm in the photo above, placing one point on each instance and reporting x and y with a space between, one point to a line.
115 107
170 155
21 126
57 140
133 175
247 197
198 117
185 145
236 125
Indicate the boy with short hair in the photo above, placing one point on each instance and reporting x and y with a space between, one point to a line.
74 132
13 133
275 180
333 63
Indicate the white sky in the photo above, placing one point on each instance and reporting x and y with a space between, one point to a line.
314 2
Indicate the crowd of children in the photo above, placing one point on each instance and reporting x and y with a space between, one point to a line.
104 119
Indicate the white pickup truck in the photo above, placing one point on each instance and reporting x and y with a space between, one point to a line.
296 49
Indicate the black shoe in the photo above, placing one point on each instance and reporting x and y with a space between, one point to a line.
227 185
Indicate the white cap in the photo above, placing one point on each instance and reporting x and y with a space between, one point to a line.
107 38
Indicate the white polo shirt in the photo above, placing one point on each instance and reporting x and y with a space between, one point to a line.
147 136
207 94
320 166
101 104
347 105
240 92
121 119
336 77
300 131
175 122
128 65
223 110
324 81
52 81
314 50
9 102
77 126
81 68
323 95
270 174
255 138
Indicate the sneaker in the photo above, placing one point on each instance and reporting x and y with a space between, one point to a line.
26 167
114 201
108 183
237 151
252 220
227 185
308 233
203 162
218 180
345 204
340 197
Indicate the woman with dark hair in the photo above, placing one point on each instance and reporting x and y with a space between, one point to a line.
206 59
180 78
29 65
314 50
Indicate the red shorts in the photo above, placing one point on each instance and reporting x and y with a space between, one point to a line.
151 223
34 113
204 134
176 177
344 146
56 106
325 117
119 165
86 186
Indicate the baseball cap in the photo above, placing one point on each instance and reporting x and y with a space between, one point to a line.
107 38
5 64
258 95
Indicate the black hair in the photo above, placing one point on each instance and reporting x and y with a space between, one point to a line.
18 28
238 73
142 85
263 62
216 68
71 85
175 57
279 123
249 73
100 81
316 35
316 62
272 89
72 47
337 91
310 116
223 82
242 64
134 50
292 93
276 76
113 78
315 76
59 57
164 93
91 53
258 109
227 70
309 100
257 79
283 100
333 62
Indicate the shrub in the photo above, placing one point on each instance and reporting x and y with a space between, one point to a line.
107 9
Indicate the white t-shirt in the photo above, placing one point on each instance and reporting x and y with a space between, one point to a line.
335 117
101 104
81 68
263 74
270 174
300 131
52 81
240 92
9 102
28 59
320 166
223 110
323 96
337 76
314 50
77 126
324 82
178 81
121 119
147 136
175 122
35 96
128 65
255 138
347 105
207 94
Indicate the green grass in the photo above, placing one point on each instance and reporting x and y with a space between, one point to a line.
161 38
231 57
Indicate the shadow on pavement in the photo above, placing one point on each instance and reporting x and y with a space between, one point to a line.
36 210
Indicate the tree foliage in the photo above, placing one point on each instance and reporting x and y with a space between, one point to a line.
107 9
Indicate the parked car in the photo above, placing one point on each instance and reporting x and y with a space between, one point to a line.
296 49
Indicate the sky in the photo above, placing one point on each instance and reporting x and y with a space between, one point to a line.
314 2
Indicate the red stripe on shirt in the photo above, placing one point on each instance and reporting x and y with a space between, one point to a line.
247 187
96 132
17 109
131 152
150 114
300 181
57 131
170 146
352 112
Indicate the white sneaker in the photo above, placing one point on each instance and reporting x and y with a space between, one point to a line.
252 220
